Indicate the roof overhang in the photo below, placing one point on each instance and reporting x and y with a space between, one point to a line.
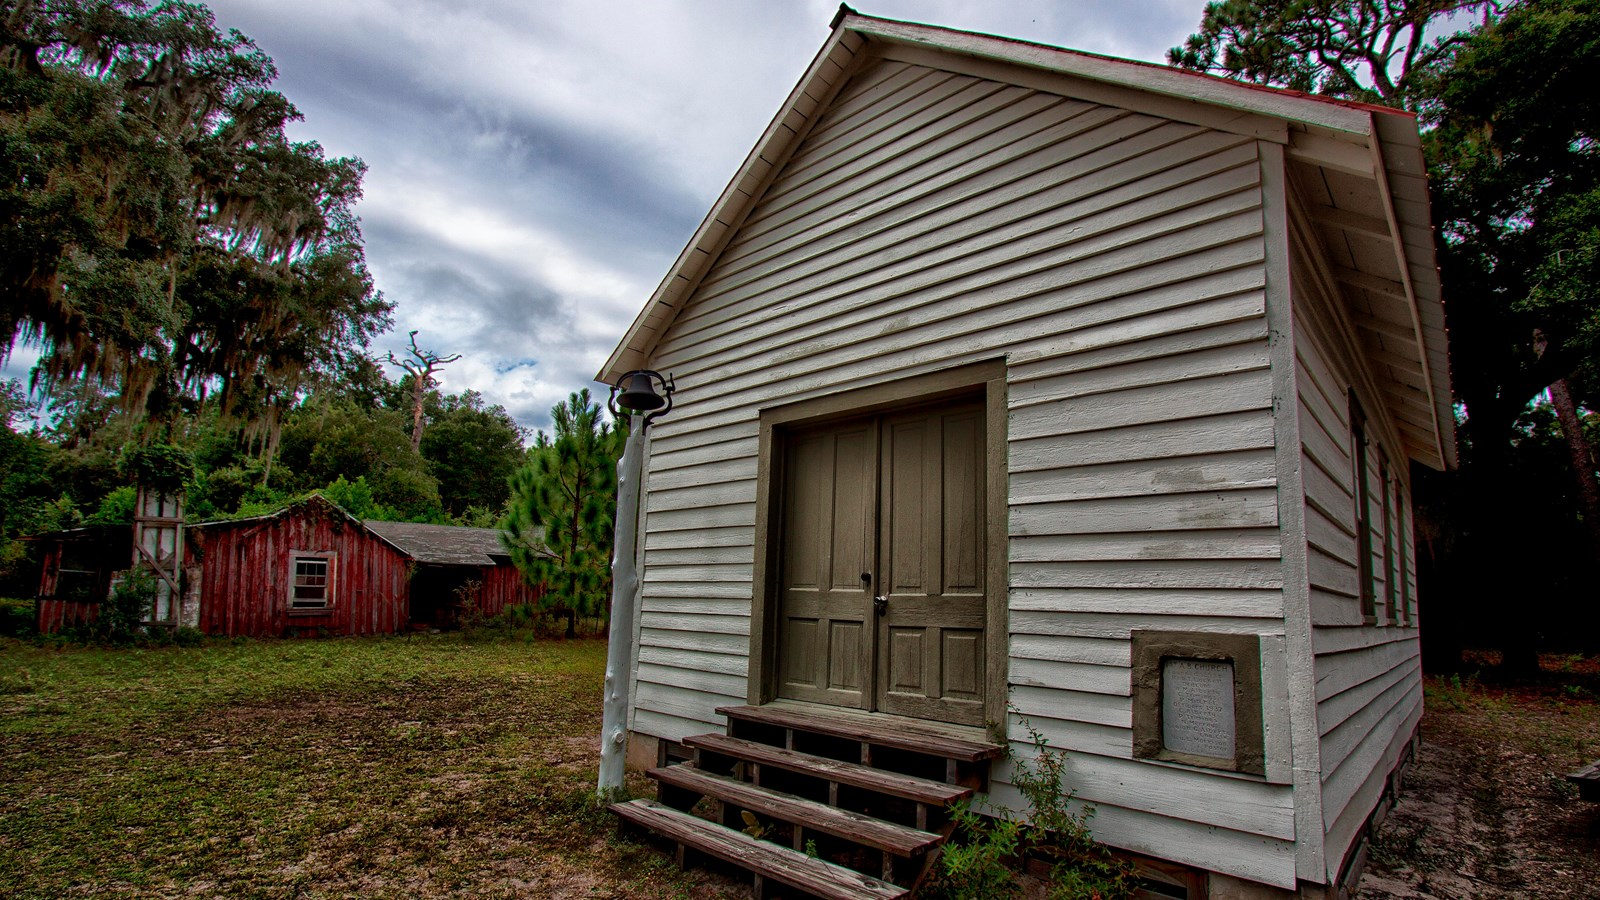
1390 284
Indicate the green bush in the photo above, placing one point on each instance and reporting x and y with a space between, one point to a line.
519 622
981 861
116 508
16 617
122 614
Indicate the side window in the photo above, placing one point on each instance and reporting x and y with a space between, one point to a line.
1358 458
1386 483
1402 539
310 580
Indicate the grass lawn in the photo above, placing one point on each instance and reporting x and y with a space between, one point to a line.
424 766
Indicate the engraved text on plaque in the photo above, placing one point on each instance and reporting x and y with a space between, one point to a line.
1197 707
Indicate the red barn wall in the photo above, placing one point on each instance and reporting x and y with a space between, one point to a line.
504 586
55 613
244 576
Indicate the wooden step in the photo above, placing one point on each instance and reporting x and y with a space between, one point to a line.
765 859
921 790
877 729
900 840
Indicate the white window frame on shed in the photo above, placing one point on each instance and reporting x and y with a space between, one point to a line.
329 560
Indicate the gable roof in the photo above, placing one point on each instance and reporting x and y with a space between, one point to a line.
447 545
312 501
1377 145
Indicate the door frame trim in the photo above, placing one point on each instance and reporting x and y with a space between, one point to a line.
985 379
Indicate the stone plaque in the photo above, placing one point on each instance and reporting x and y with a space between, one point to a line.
1197 707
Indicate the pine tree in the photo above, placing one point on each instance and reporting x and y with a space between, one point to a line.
563 505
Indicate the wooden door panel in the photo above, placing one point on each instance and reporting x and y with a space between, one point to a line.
932 536
829 541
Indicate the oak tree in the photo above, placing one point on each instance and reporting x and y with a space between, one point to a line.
159 232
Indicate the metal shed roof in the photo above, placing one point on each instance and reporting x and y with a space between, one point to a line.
444 545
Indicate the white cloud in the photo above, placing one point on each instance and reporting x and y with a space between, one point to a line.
535 167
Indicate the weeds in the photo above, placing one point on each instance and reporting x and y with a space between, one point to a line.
1455 691
523 622
983 859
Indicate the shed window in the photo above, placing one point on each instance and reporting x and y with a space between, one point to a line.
311 581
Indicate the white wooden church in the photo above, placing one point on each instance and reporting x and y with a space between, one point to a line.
1015 382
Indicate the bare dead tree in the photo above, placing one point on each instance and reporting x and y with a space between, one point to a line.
421 369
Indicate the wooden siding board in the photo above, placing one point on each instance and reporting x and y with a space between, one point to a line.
1247 430
1170 574
697 623
1140 601
1235 509
910 247
1370 730
1230 543
1077 318
1075 706
1089 651
1052 674
1340 672
1119 625
693 678
689 659
1343 709
1198 398
1218 471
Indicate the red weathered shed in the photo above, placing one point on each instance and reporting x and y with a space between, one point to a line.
313 567
76 568
305 569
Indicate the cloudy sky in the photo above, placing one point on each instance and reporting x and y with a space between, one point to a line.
535 165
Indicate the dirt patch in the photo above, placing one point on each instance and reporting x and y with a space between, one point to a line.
1485 811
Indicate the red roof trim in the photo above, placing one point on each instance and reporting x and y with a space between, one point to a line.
1163 67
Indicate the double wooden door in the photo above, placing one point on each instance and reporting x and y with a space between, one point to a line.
882 564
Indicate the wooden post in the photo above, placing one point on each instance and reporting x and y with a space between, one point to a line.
624 606
158 547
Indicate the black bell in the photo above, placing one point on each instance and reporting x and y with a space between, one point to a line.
639 393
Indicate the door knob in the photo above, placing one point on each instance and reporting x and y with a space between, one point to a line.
880 604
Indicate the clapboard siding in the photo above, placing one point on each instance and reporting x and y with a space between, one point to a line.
1243 853
1116 260
1243 604
1368 680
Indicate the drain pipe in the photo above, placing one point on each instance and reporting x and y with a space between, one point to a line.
637 397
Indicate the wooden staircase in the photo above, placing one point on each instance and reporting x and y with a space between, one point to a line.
829 802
